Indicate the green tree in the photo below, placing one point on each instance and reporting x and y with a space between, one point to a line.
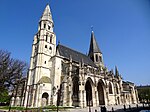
144 93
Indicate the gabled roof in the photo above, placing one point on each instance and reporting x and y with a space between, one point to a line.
93 45
74 55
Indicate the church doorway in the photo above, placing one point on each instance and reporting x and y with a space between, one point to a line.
75 95
88 89
101 93
45 99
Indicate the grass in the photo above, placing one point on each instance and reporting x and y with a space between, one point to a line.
46 108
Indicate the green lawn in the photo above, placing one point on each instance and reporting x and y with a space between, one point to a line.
47 108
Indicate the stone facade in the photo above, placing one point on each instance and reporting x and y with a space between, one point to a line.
59 73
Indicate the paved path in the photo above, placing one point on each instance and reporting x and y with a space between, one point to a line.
109 108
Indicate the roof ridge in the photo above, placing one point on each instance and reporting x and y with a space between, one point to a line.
66 52
74 50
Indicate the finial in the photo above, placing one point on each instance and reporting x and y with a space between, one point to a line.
92 28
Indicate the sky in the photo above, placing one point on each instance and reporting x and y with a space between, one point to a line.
121 28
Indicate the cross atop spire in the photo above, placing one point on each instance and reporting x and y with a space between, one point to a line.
92 28
47 14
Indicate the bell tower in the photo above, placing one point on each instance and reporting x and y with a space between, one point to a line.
40 74
94 52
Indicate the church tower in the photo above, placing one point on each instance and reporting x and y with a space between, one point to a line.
94 52
43 48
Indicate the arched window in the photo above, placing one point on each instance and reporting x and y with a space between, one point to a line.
96 58
51 38
49 27
45 46
110 89
44 25
46 38
117 89
50 48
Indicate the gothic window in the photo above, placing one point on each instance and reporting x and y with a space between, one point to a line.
50 48
96 58
45 46
49 27
44 25
110 89
46 38
51 39
45 62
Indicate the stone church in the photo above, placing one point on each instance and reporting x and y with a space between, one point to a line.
61 75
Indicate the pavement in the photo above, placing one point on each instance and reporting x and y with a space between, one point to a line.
118 108
112 108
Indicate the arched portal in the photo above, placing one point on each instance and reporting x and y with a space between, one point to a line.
45 99
100 89
75 95
88 89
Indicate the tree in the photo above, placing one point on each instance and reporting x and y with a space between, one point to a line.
11 70
144 93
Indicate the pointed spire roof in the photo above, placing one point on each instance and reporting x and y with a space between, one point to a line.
116 71
93 45
47 14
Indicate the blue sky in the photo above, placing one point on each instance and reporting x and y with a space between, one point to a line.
121 27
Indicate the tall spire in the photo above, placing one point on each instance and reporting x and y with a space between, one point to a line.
47 14
94 52
93 45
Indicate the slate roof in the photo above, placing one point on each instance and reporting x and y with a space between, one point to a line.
93 45
75 55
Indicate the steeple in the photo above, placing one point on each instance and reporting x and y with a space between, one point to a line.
94 52
47 14
43 48
93 45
